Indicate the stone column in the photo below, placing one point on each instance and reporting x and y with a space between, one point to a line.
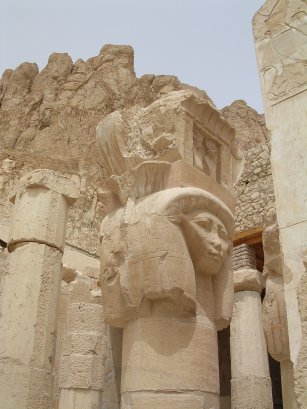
280 32
166 248
82 365
30 289
251 382
162 282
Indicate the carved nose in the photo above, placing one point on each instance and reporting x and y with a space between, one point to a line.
216 243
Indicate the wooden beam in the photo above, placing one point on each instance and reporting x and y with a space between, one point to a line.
250 236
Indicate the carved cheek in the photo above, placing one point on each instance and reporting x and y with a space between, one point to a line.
225 247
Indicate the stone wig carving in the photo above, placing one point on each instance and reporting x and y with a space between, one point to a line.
156 248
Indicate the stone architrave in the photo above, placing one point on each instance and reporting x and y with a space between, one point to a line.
30 289
280 32
166 248
274 309
250 376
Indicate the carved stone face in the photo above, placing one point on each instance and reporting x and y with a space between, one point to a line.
207 240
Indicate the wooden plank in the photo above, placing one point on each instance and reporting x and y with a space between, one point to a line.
249 236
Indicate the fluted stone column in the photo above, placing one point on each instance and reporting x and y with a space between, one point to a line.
30 289
251 382
82 364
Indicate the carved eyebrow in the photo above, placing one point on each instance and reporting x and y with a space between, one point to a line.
204 222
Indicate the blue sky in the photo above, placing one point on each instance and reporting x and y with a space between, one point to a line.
206 43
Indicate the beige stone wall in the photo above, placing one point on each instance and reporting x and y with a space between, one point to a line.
254 191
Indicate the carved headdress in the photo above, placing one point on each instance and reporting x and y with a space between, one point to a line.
178 140
166 163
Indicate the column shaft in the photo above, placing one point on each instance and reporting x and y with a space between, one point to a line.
82 364
251 383
30 290
170 362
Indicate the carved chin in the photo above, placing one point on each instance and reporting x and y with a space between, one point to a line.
208 265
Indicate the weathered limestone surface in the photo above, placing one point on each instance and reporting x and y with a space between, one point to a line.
249 125
280 31
166 247
274 308
250 383
30 289
254 190
48 119
83 357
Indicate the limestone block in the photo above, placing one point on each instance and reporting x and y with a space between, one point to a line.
169 365
188 128
248 280
182 174
24 387
41 206
28 305
85 317
84 349
251 392
82 372
28 299
75 291
167 401
80 399
83 344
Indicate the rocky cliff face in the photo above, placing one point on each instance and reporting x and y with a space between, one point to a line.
48 119
249 125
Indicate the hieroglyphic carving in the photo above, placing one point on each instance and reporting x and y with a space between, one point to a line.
206 154
280 30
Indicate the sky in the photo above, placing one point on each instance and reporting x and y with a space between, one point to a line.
205 43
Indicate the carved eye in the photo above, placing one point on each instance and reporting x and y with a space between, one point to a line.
205 224
222 233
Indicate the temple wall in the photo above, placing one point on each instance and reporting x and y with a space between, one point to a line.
57 132
254 191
